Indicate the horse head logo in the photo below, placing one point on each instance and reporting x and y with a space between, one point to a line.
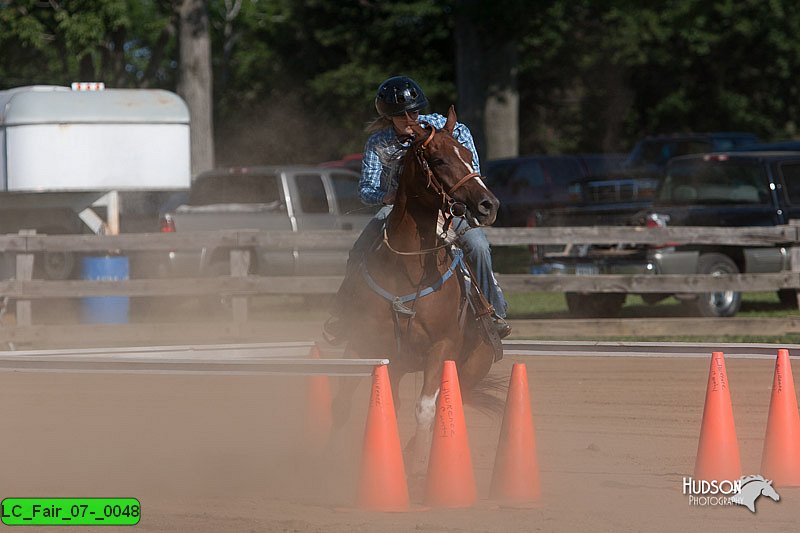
752 488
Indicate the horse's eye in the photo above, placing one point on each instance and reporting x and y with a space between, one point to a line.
436 162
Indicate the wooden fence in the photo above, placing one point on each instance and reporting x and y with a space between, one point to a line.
239 285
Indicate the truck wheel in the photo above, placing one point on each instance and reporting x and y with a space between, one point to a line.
56 265
788 298
595 305
717 304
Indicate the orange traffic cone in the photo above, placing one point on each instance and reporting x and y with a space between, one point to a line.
516 471
718 449
319 416
382 485
781 458
451 481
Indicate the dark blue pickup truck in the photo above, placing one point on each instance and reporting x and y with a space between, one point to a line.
730 189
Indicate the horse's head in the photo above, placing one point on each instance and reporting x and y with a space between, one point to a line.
450 175
769 491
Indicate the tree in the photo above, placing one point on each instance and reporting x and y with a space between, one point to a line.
486 69
194 83
119 42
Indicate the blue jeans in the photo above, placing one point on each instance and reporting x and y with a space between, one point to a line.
473 242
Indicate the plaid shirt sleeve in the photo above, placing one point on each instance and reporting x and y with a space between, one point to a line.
460 132
369 186
375 174
464 136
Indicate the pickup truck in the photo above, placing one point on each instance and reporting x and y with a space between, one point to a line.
288 198
733 189
528 185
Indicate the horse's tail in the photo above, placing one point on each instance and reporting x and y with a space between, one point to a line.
488 395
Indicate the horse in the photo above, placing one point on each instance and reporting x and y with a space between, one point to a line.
752 488
411 307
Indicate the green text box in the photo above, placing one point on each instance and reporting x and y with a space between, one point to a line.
70 511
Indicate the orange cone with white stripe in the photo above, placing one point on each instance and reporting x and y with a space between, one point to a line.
718 449
382 485
451 480
780 461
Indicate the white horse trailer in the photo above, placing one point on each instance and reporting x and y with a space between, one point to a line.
64 151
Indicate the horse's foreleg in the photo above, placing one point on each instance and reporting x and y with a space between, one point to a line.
342 402
475 368
426 407
341 405
396 373
343 399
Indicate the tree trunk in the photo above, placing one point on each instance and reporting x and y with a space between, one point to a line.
469 79
501 118
488 99
194 83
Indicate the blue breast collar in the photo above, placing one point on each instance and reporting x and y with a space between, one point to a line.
458 257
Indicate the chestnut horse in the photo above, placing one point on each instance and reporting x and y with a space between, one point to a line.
415 262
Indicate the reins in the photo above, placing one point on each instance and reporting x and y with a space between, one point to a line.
420 252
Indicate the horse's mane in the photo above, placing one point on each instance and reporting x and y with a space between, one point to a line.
748 479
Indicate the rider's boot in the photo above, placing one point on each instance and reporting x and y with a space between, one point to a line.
502 327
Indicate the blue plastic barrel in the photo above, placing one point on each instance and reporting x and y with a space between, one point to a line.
105 309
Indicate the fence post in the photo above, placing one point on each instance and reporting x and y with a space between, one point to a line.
24 273
794 254
240 266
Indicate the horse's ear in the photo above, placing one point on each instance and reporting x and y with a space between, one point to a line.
450 125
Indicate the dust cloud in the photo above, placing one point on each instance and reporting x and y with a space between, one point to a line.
230 453
280 132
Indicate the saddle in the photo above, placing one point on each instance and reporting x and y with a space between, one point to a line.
473 305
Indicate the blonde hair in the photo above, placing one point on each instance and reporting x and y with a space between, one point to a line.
379 123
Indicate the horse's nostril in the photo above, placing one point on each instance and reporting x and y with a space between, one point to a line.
485 207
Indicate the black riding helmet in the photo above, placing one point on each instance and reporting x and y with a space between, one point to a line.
399 95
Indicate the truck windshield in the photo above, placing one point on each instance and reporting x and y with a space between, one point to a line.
656 153
715 181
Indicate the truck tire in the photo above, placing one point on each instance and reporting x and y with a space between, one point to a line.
56 265
595 305
717 304
788 298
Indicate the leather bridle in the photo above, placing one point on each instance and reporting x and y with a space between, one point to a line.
450 207
448 202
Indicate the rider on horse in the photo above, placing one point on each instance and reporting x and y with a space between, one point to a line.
398 102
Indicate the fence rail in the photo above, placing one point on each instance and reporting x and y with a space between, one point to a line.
336 239
240 285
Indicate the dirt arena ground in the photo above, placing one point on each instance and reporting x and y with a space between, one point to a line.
207 453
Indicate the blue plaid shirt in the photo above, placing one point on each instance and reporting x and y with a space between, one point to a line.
384 150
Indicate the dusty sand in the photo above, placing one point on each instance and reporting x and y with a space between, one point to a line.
615 436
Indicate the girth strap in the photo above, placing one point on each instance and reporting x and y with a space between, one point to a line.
458 257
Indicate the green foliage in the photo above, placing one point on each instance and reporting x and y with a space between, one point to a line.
592 75
58 42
